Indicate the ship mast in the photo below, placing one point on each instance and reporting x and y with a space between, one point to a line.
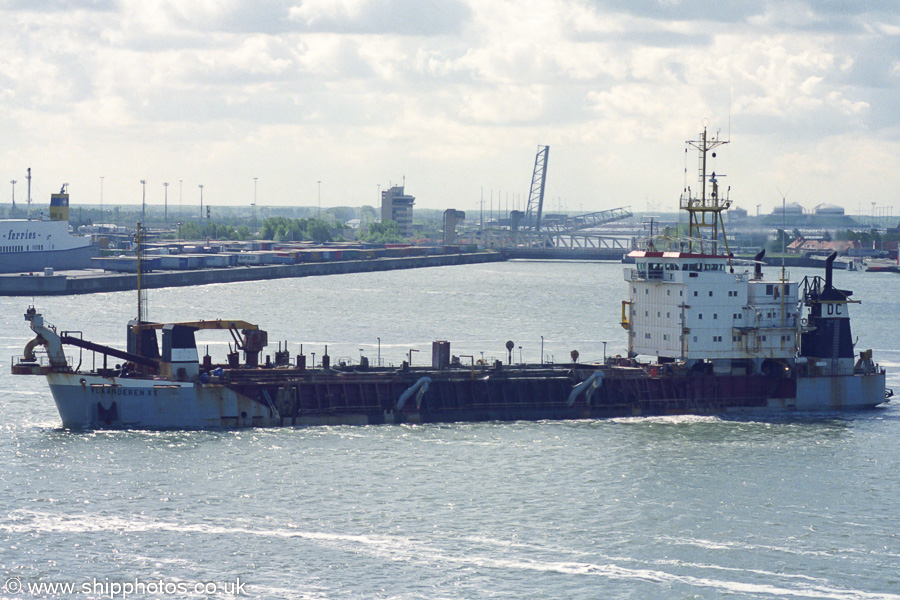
29 192
141 293
705 211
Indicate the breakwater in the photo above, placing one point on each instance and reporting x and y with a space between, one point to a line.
91 282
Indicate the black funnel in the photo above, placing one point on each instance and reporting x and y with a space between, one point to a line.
757 264
829 269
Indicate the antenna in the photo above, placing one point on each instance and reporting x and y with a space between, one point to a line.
783 248
730 90
783 238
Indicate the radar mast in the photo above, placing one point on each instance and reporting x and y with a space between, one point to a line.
705 211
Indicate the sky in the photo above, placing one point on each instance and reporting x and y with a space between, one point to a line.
326 102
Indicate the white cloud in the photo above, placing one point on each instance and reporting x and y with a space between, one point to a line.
454 93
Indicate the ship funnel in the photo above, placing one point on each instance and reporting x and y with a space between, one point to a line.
829 268
59 206
757 264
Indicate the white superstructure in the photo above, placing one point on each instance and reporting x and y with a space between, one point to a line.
686 306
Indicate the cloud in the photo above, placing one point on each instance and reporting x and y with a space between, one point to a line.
398 17
351 91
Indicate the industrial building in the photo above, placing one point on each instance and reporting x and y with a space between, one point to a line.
398 207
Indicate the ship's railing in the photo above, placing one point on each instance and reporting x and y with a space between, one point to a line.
41 359
689 202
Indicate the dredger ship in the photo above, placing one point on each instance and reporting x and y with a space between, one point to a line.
717 337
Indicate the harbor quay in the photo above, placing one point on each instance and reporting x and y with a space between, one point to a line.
94 281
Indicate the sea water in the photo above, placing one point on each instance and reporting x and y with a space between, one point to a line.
803 506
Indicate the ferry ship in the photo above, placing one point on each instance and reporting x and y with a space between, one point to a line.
706 335
29 245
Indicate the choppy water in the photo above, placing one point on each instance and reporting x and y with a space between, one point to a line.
684 507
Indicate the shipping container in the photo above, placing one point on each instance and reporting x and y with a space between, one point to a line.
125 264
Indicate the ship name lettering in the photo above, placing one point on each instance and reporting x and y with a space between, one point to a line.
21 235
118 391
833 309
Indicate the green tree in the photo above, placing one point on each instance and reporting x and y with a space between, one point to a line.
319 231
380 233
367 214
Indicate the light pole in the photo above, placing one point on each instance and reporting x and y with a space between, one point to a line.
604 353
379 351
180 189
13 182
253 206
542 349
320 196
166 201
201 206
143 200
101 196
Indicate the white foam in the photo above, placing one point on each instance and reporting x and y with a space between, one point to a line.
397 548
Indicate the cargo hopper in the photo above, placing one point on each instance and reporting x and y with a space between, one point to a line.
706 335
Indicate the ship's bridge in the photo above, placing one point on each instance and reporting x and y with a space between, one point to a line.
675 267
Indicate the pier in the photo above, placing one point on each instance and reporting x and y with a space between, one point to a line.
94 281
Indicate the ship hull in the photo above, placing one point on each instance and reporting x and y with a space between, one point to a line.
37 261
95 402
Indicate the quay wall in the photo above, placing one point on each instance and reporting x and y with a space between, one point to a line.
93 282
